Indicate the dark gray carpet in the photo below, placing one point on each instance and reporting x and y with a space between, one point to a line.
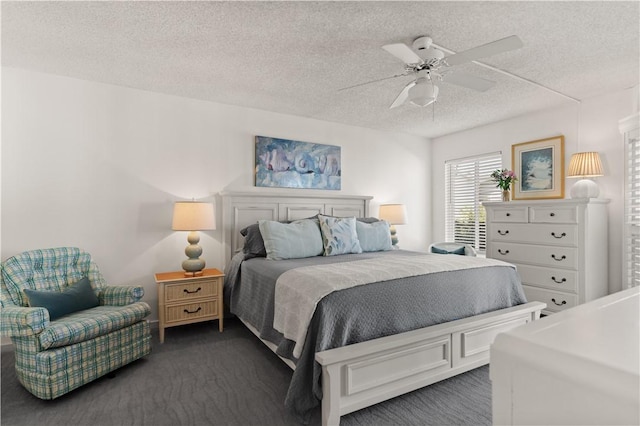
202 377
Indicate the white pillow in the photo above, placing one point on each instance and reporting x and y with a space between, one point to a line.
339 235
294 240
374 236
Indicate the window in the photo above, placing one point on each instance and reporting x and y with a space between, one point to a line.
468 183
632 205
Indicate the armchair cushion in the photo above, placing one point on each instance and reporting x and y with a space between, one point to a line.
76 297
91 323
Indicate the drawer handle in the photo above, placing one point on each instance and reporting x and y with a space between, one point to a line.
553 234
503 252
508 214
563 257
186 311
559 282
503 233
564 302
552 214
194 291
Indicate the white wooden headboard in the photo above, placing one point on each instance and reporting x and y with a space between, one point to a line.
240 209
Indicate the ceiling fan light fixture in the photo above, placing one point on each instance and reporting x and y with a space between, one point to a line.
423 93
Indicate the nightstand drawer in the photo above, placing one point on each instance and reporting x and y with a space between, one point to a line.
556 301
191 290
190 311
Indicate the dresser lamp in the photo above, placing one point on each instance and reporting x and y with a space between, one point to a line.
395 214
585 165
193 216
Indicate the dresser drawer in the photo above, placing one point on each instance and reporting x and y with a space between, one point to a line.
509 214
561 234
191 290
556 257
190 311
557 214
552 278
556 301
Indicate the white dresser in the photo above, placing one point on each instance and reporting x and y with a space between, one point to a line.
560 248
579 367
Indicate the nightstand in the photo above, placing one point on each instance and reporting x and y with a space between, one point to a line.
187 300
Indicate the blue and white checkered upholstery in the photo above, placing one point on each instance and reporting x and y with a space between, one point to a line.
55 357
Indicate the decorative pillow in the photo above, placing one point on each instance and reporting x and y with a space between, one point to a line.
300 238
77 297
339 235
374 236
368 219
460 250
253 242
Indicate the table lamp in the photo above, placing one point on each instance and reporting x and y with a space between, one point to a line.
193 216
585 165
395 214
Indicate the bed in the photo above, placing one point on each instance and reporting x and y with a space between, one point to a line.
363 343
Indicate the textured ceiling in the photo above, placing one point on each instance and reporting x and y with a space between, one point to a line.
292 57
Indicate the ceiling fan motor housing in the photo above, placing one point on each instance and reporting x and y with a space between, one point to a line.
430 56
422 43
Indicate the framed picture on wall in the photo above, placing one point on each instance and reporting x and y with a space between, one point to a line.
539 166
284 163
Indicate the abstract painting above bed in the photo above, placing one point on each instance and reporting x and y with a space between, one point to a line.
286 163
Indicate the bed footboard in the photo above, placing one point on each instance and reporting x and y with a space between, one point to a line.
364 374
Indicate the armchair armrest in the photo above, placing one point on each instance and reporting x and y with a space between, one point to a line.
18 321
120 295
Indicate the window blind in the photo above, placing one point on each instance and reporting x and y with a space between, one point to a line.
632 209
468 184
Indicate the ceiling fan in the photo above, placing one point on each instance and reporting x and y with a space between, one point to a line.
427 61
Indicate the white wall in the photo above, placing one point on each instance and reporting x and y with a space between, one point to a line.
598 132
99 166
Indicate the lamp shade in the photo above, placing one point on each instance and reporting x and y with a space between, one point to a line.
193 216
423 93
585 164
395 214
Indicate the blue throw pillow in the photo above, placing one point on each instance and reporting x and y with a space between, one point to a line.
300 238
77 297
374 236
339 235
437 250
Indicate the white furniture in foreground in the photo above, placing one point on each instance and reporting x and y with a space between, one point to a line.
559 246
578 367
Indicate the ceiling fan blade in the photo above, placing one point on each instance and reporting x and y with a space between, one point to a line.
403 52
402 97
469 81
503 45
372 81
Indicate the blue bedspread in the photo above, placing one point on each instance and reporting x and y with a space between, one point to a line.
365 312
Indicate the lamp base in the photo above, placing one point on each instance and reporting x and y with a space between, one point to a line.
193 266
394 235
585 188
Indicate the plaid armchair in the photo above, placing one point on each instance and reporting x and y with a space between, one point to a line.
56 356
